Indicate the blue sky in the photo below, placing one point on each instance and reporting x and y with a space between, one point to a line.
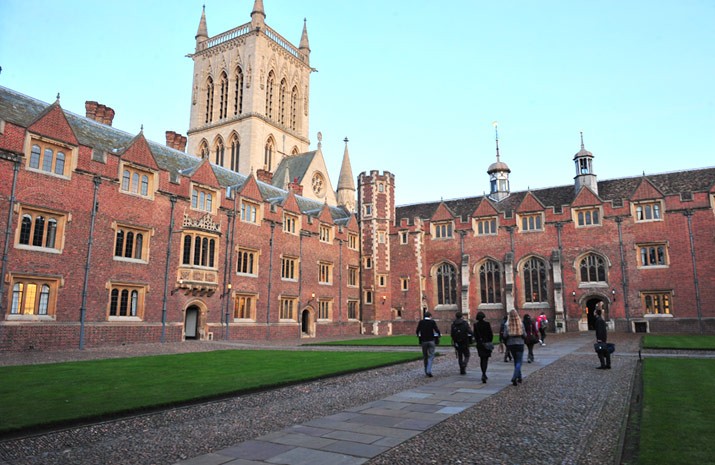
414 84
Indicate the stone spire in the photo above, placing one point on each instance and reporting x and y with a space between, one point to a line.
346 184
258 15
202 34
304 44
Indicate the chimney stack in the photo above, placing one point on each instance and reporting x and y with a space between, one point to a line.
265 176
98 112
176 141
295 187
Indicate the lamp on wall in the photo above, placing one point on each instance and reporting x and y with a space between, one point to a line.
573 294
384 298
228 290
312 296
613 294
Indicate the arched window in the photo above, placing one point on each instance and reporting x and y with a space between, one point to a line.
446 284
39 231
44 300
294 151
235 152
204 149
145 185
223 100
47 160
238 95
209 100
25 229
268 155
490 282
186 259
593 269
534 274
219 151
294 108
269 94
282 102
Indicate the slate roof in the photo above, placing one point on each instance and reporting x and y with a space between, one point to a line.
19 109
673 183
295 165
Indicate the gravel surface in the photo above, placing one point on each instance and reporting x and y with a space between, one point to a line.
565 413
580 422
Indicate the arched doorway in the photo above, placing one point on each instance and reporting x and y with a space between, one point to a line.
307 324
191 322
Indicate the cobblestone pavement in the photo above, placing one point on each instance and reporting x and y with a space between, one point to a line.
568 413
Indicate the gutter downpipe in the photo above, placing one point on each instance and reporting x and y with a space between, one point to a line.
172 199
698 304
8 230
270 280
228 271
83 310
624 273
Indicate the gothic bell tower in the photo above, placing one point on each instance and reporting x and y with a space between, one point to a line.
249 102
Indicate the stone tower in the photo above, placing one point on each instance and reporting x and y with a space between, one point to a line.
377 212
249 103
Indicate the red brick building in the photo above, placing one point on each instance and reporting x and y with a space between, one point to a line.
110 239
644 246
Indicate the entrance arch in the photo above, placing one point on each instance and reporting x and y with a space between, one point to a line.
307 323
191 322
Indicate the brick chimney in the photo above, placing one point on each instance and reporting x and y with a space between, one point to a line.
264 175
98 112
295 187
176 141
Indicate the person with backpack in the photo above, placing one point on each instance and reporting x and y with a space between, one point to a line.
532 336
483 334
461 338
502 340
428 334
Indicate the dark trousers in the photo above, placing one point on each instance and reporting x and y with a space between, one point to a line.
605 358
462 353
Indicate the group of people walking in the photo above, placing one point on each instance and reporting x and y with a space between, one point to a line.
514 335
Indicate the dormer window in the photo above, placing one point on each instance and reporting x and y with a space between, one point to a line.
648 211
50 157
585 217
202 199
137 181
442 230
531 222
249 212
325 233
486 226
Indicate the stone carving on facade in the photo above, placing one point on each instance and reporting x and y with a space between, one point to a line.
205 223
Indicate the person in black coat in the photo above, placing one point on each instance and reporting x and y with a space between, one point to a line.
462 336
483 335
602 337
428 332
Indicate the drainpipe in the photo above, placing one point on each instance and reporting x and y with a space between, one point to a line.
360 236
83 310
340 289
270 280
172 199
226 270
229 269
300 284
8 231
698 304
624 273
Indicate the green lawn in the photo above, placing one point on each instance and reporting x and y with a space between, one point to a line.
690 342
40 395
678 418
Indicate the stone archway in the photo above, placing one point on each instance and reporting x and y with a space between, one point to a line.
192 322
307 323
588 317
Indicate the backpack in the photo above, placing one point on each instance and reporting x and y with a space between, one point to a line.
460 332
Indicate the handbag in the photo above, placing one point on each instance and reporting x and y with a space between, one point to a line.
601 347
488 346
610 348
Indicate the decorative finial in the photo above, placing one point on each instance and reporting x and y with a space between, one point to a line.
346 139
320 139
582 140
142 128
496 135
58 96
